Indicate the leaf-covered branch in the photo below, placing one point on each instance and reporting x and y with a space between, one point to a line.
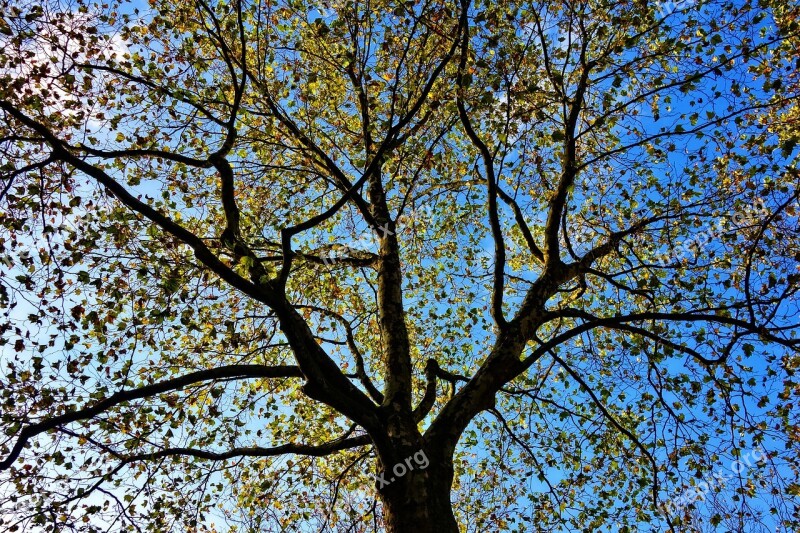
154 389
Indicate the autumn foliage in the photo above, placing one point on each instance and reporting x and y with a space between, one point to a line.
255 255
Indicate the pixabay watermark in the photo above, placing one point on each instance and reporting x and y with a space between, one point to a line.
401 469
690 248
716 481
368 241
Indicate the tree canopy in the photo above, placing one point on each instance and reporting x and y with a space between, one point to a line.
399 265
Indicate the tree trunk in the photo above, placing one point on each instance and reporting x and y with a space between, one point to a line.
417 501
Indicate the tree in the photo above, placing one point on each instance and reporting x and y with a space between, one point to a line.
402 266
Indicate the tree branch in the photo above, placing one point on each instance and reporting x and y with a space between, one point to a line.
311 450
491 180
569 164
433 371
62 152
523 225
225 372
361 372
622 429
326 382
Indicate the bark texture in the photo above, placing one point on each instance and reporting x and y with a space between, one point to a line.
419 501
